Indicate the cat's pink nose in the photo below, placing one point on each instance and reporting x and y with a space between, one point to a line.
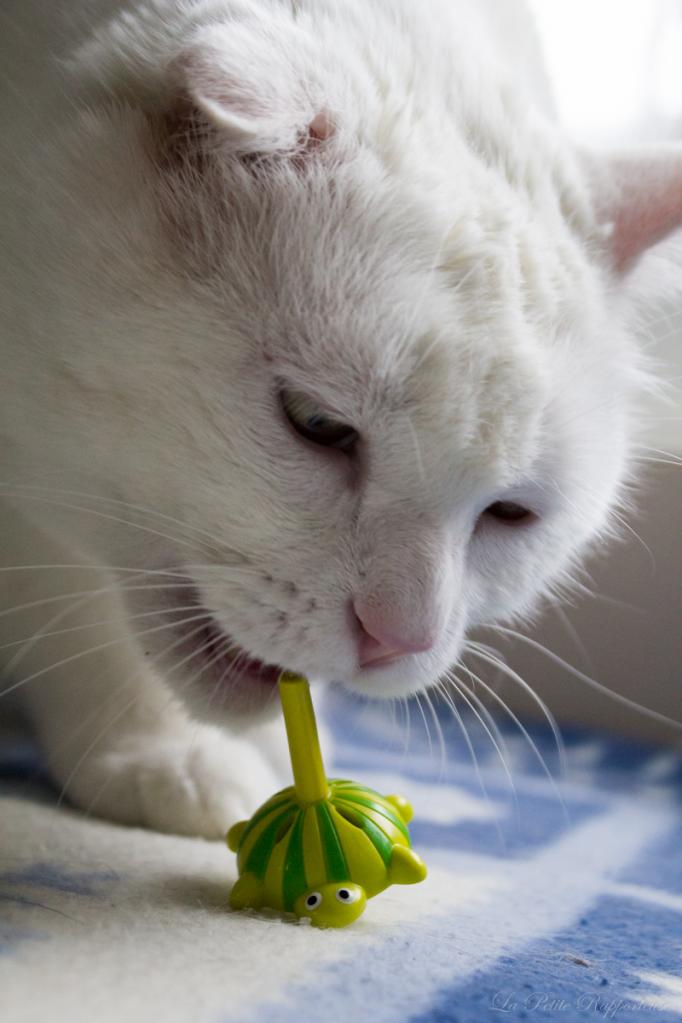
381 642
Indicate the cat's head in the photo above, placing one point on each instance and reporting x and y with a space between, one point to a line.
367 368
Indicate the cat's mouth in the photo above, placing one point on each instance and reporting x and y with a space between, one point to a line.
230 662
211 670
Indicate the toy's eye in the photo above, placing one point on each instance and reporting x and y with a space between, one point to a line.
347 895
313 900
316 425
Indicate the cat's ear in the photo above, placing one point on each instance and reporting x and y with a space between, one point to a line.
641 201
252 84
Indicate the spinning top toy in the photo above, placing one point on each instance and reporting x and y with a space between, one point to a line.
322 847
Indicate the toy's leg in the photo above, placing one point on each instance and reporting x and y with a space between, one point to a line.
247 892
402 806
406 867
234 835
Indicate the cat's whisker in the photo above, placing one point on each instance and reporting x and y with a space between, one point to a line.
620 519
65 612
393 711
493 733
93 568
237 669
123 710
98 794
216 544
573 633
439 731
246 571
478 650
112 700
488 650
568 587
122 586
113 697
99 735
654 345
28 644
614 515
487 721
101 646
111 518
675 459
649 460
192 654
238 666
92 592
103 621
618 697
487 716
404 703
224 647
671 316
426 724
656 337
216 688
459 720
622 605
526 735
569 378
87 596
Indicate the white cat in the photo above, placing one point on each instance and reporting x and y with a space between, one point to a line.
317 349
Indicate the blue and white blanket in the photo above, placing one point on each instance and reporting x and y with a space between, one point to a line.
559 900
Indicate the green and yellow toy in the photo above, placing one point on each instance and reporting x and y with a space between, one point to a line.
322 847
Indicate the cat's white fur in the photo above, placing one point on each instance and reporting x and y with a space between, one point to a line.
370 202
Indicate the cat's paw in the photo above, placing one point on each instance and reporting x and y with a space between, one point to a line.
198 784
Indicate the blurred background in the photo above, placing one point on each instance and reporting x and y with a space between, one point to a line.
616 69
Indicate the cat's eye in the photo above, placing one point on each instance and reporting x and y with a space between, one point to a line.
509 512
315 424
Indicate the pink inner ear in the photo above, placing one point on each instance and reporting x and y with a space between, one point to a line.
321 127
245 80
649 204
234 104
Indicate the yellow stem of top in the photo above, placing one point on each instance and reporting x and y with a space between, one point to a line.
310 780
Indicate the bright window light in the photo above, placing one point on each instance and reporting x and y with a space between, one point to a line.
616 67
